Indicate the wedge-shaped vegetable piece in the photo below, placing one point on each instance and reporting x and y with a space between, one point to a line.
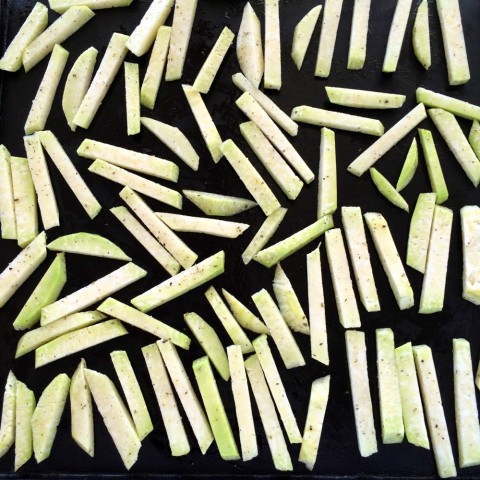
303 34
254 111
7 202
207 73
243 315
288 302
81 410
437 425
32 27
243 406
249 46
150 243
24 408
209 341
354 98
282 336
268 415
218 205
434 280
130 315
421 36
133 393
221 428
276 253
144 34
188 398
60 6
474 137
317 406
263 235
466 411
156 65
7 427
118 421
357 50
327 174
177 437
228 321
412 409
347 307
132 95
72 20
360 387
388 140
272 76
250 177
342 121
47 416
409 167
69 173
277 389
458 107
102 81
470 222
174 139
457 142
388 190
204 121
358 248
21 267
25 198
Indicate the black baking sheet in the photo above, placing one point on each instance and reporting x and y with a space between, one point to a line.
338 454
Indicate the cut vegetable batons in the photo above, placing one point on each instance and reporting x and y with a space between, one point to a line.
474 137
244 316
249 46
181 283
360 388
60 6
387 141
156 65
268 415
243 406
421 36
327 174
132 97
188 398
284 248
357 50
7 427
25 198
84 243
21 267
470 222
352 221
117 419
409 167
204 121
317 406
32 27
177 437
435 277
390 259
81 410
221 428
92 293
303 34
328 36
42 103
102 81
419 233
282 336
47 416
218 205
208 72
396 35
354 98
432 400
347 307
453 41
24 408
288 302
46 292
466 410
174 139
132 392
388 190
62 28
69 173
272 76
7 202
145 32
183 18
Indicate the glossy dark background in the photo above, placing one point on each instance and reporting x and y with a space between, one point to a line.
338 454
